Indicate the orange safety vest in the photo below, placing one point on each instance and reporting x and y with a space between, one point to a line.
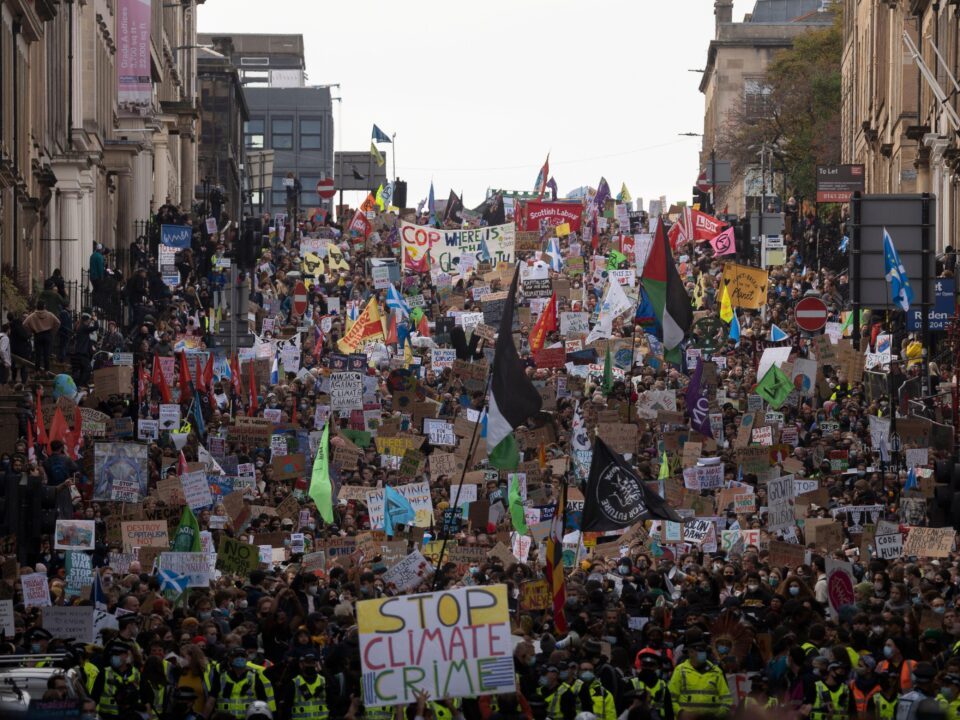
906 670
862 699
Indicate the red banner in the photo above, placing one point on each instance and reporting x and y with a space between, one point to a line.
554 213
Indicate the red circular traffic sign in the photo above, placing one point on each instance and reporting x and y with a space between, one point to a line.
811 314
300 298
702 184
325 188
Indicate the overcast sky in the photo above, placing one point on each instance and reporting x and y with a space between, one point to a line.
479 92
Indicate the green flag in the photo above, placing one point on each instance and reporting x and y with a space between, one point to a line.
506 454
415 315
516 506
616 257
774 387
187 537
664 467
321 490
607 385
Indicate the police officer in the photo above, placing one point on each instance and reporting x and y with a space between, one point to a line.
558 700
306 696
949 697
593 697
924 688
648 682
239 686
832 695
697 686
180 706
118 673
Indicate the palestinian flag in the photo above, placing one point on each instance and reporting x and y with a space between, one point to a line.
513 398
662 283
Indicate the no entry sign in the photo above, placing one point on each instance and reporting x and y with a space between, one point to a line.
325 188
811 314
300 298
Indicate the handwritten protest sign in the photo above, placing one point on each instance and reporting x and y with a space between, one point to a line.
196 490
36 592
144 533
889 547
69 623
929 542
535 595
409 572
453 643
236 557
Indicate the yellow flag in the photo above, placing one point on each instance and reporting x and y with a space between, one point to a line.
726 307
377 155
625 194
380 197
367 327
407 353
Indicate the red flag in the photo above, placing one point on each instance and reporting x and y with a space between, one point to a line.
543 178
293 413
31 443
235 379
182 464
42 436
704 227
208 380
392 332
75 436
423 327
546 323
201 384
58 428
253 392
184 378
160 380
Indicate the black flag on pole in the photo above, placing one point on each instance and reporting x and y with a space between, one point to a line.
616 497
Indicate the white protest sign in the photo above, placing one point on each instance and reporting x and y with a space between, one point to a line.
71 622
889 547
36 591
346 391
196 490
409 572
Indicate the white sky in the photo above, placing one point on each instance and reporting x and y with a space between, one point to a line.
478 92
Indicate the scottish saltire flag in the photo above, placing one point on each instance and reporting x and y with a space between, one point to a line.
900 291
911 483
395 301
173 581
275 371
379 135
553 253
776 334
735 329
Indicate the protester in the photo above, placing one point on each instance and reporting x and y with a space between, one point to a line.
577 467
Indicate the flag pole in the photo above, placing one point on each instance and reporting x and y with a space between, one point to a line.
463 475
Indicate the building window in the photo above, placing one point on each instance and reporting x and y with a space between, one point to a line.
308 191
279 191
253 134
282 135
254 61
311 132
756 98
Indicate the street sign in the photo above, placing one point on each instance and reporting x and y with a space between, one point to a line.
939 319
811 314
300 298
325 188
702 184
838 183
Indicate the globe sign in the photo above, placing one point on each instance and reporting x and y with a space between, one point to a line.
64 386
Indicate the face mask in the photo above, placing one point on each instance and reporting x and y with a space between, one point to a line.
887 652
794 591
205 615
723 649
116 661
587 676
624 570
242 604
877 629
753 587
700 656
474 571
239 663
940 610
773 581
544 681
312 590
564 674
35 648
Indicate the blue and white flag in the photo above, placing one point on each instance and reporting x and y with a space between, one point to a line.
900 291
173 581
776 334
98 596
553 253
397 510
275 371
395 301
735 329
911 483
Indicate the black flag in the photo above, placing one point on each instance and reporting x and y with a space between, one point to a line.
616 497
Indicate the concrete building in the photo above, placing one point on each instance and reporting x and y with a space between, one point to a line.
900 107
223 116
733 77
287 115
